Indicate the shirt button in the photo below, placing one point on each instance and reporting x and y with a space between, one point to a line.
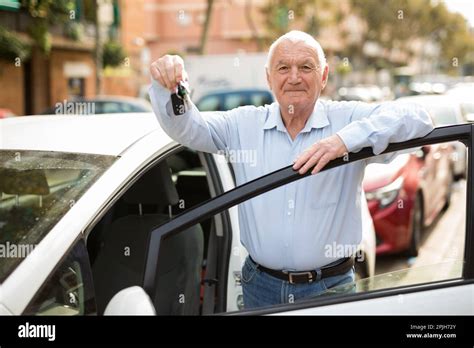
289 213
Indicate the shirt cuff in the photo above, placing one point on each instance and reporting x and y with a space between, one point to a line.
348 136
160 97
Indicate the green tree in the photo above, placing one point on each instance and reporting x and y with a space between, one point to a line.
394 23
278 15
45 13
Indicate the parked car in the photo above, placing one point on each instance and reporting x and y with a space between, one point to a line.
406 195
445 111
80 201
365 93
222 101
97 226
462 93
99 105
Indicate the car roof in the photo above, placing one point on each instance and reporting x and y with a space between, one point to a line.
107 134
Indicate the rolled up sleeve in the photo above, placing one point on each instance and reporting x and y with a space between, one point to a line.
386 123
206 131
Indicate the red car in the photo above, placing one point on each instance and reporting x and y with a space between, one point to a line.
407 195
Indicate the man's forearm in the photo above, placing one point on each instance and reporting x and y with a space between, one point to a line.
189 129
388 123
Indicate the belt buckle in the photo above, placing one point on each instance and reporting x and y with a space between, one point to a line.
291 274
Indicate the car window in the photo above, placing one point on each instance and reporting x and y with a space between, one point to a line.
36 189
68 290
234 100
111 107
412 228
209 103
260 99
125 107
449 269
117 244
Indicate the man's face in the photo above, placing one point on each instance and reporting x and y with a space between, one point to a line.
295 75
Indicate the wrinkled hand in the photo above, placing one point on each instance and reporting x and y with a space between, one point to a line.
319 154
169 71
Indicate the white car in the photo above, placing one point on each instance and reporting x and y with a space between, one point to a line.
102 179
104 215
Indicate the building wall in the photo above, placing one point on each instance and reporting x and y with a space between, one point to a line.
120 85
39 91
13 96
176 26
58 78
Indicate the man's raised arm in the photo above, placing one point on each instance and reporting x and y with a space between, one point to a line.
209 132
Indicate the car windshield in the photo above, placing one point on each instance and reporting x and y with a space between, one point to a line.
37 188
405 277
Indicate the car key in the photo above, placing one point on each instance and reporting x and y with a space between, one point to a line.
178 99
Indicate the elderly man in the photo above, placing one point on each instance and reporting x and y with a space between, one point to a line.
288 231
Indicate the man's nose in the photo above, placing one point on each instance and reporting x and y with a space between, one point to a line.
294 75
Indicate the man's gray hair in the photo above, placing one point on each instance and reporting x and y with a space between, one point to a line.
297 36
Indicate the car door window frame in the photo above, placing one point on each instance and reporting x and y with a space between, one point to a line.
463 133
213 173
223 254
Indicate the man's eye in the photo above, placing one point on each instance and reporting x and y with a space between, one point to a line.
307 68
283 69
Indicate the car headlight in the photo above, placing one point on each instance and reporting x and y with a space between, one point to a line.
387 194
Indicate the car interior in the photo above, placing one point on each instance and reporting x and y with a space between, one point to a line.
118 243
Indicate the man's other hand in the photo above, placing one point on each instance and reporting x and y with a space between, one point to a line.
169 71
319 154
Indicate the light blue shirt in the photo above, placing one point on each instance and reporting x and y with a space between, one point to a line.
292 227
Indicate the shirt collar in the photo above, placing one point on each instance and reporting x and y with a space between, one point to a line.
318 118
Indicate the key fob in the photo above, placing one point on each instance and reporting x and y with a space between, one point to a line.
177 102
179 97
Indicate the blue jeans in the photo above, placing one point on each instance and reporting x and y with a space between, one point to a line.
261 289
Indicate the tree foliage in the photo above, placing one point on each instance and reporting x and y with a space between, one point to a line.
394 23
113 54
11 47
45 13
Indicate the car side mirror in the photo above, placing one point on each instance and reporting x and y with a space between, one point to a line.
470 117
130 301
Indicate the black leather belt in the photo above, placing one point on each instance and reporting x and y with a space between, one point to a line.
309 276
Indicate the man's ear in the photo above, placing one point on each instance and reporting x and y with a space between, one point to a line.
268 79
325 76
